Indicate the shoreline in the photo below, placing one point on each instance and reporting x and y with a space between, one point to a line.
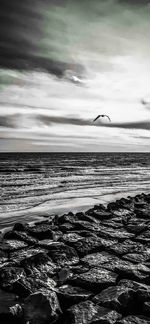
47 209
85 267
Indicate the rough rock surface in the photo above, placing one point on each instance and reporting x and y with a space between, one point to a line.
82 268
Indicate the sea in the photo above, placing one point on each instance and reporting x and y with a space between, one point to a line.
34 186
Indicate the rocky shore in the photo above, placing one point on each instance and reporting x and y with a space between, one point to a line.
83 268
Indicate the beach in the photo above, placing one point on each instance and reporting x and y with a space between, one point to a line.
84 267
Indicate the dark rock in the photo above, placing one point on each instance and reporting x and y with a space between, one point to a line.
69 238
134 320
49 244
21 236
146 308
119 298
92 244
101 214
20 227
95 279
69 295
138 257
8 275
98 259
12 245
142 290
88 313
41 232
64 255
7 300
41 307
119 234
144 237
127 246
26 256
67 227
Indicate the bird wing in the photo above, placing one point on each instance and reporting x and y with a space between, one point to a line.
96 118
108 117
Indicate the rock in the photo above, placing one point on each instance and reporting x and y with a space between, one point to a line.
101 214
64 255
134 320
120 298
41 307
69 238
12 245
8 275
96 279
91 244
144 237
137 257
67 227
119 234
21 227
69 295
88 313
146 308
8 307
127 246
98 259
26 256
142 290
21 236
49 244
41 232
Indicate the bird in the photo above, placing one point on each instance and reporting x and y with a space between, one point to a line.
101 116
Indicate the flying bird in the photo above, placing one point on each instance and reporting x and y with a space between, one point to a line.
101 116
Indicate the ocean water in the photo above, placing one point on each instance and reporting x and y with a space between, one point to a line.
33 185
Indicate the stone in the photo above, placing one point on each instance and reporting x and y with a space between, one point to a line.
120 298
12 245
91 244
70 238
89 313
144 237
137 257
125 247
10 274
142 290
146 308
98 259
21 236
69 295
26 255
41 307
64 255
134 320
40 232
7 300
96 279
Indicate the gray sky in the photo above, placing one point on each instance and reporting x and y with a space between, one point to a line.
65 62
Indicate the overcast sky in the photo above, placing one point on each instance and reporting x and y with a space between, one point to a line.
62 63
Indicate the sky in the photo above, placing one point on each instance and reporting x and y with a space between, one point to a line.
62 63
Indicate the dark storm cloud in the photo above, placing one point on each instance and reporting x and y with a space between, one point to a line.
21 34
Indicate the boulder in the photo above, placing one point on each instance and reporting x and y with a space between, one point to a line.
91 244
21 236
120 298
12 245
9 309
134 320
69 295
64 255
142 290
41 232
10 274
41 307
127 246
96 279
89 313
